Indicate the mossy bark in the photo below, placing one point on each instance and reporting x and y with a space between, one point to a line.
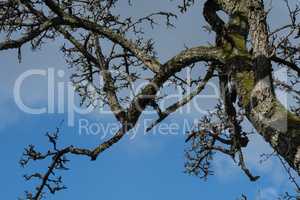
279 127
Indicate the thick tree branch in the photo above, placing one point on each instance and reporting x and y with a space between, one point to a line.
272 120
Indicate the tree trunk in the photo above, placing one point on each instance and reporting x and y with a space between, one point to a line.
279 127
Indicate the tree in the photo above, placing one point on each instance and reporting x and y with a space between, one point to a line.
241 59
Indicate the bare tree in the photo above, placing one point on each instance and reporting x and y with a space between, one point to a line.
241 59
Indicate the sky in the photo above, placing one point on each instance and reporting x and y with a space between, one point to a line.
148 166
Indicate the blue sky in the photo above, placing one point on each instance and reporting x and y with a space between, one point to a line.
147 167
